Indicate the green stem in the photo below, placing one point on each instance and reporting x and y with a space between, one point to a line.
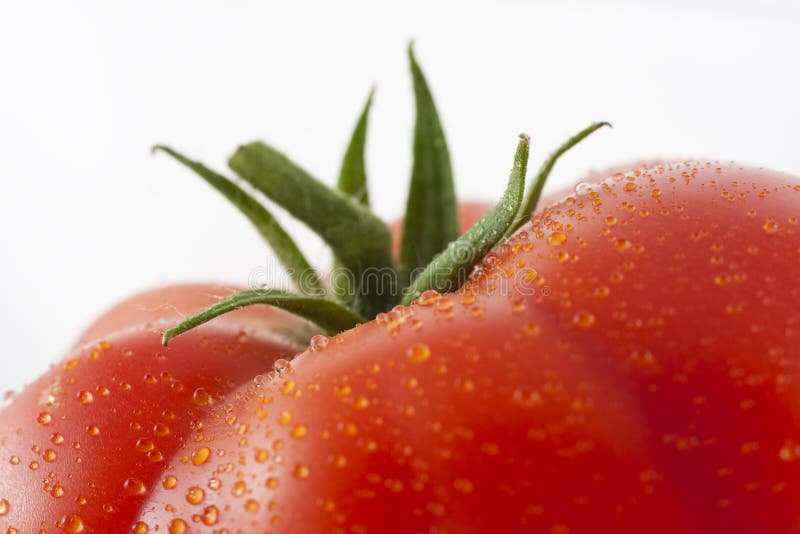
325 313
304 276
533 195
450 269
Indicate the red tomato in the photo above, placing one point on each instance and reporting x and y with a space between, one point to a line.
83 446
625 363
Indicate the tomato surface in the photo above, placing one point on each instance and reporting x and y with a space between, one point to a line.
627 362
83 446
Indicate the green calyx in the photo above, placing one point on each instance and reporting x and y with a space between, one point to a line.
367 279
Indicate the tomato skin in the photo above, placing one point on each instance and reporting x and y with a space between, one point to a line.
648 384
82 445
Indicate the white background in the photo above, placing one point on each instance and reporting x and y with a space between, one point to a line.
87 216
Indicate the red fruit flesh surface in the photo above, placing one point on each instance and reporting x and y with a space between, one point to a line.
627 362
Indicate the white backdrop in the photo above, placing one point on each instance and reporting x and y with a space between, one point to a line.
87 216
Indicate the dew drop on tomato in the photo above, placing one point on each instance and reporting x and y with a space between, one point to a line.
72 524
201 397
582 189
177 526
556 239
318 342
282 365
583 319
419 353
134 486
195 495
210 515
200 456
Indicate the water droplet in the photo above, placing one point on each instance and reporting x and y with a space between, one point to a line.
428 297
318 342
582 189
239 488
44 418
251 506
418 353
4 507
272 483
145 445
629 186
177 526
770 226
282 365
288 387
201 455
622 244
201 397
85 397
285 418
301 471
140 528
210 515
790 451
556 239
134 486
72 524
169 482
299 431
195 495
49 455
602 291
583 319
527 396
463 485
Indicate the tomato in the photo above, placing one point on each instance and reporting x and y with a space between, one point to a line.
83 446
627 362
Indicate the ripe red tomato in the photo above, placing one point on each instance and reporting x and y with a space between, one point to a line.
625 363
83 446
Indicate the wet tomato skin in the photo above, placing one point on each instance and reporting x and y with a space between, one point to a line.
82 446
625 363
